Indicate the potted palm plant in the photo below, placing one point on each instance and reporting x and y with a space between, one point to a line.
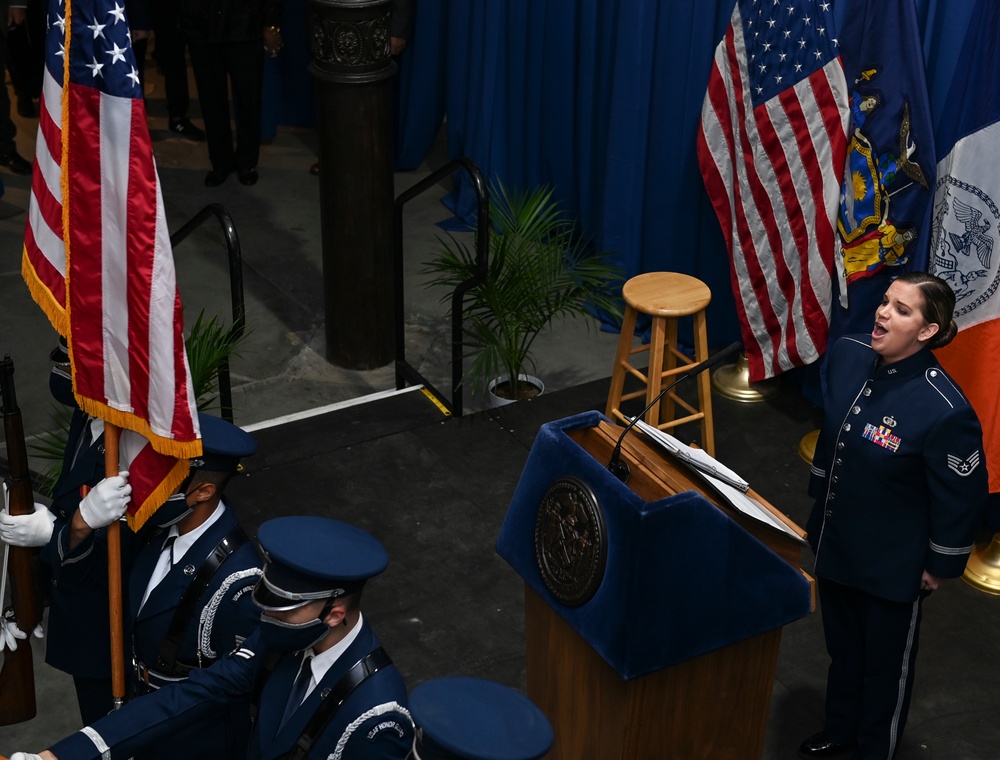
539 269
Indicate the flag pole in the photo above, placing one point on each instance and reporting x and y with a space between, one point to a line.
111 435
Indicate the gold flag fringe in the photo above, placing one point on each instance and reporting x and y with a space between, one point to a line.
159 496
43 296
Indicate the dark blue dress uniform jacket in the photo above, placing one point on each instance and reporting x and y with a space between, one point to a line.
373 724
79 632
899 474
224 616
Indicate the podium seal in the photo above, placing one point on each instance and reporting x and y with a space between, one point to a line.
570 542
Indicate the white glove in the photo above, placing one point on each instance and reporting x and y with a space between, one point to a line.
25 756
10 634
106 501
27 530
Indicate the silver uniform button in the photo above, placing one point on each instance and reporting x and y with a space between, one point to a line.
856 410
868 391
840 446
847 427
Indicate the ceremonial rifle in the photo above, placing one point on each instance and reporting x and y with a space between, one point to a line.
17 677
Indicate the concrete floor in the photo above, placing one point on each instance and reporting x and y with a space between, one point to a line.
435 490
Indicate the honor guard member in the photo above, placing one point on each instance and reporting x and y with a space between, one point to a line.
324 687
189 593
461 718
79 630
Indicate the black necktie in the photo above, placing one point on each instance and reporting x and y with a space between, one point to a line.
83 443
298 692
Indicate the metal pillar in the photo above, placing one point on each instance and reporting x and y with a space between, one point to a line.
349 43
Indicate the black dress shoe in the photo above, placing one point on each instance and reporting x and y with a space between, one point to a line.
248 176
185 128
215 178
15 162
819 746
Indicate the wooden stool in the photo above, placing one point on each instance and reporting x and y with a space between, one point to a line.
666 297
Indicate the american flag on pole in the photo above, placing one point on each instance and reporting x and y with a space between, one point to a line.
771 149
97 255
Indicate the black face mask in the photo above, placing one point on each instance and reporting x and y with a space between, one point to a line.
173 510
279 636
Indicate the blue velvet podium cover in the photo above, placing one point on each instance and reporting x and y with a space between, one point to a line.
681 578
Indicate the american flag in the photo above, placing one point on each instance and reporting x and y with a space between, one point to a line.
771 149
97 255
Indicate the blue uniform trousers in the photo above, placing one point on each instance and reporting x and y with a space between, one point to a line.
873 650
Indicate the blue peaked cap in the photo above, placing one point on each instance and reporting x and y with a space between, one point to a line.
461 718
314 557
223 445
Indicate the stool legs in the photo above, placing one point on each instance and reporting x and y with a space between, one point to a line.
621 361
704 383
665 364
659 358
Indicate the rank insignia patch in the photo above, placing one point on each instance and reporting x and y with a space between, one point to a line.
882 436
965 466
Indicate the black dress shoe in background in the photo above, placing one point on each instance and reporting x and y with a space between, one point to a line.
248 176
818 746
185 128
15 162
215 178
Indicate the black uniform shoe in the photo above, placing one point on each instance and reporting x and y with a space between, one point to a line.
185 128
248 176
15 163
818 746
215 178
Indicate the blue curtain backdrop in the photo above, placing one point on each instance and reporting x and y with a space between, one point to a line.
599 98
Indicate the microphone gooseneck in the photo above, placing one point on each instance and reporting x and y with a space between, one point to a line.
619 468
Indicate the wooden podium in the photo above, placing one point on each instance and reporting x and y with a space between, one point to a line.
674 653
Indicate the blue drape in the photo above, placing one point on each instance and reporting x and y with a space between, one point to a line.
600 99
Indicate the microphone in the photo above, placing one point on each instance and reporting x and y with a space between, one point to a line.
621 469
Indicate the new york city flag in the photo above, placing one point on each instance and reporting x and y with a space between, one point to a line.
965 245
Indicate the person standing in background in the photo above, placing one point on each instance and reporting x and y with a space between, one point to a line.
225 39
13 15
26 54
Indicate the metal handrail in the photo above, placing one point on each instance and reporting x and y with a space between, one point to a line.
235 288
405 371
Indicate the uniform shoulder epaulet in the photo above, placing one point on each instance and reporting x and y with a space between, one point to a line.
941 382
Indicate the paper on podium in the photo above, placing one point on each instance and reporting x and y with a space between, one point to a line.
723 480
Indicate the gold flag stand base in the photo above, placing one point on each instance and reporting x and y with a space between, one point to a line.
983 569
807 446
733 382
